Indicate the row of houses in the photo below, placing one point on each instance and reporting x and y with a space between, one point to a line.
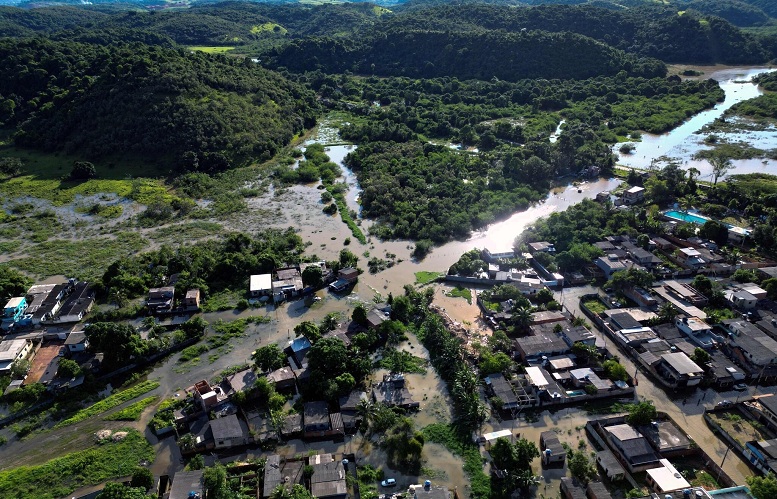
286 283
63 302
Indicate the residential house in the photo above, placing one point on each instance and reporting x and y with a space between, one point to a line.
349 409
260 285
542 344
633 195
345 278
740 299
665 436
326 272
547 317
292 426
552 450
641 256
284 379
299 349
273 476
610 264
498 386
585 376
724 373
393 391
690 258
754 348
766 407
161 300
192 299
348 274
610 465
187 485
679 370
44 301
640 296
205 395
76 342
597 490
240 381
12 351
762 454
699 332
328 478
375 318
77 304
287 285
665 478
685 292
634 450
577 334
541 247
228 432
494 255
14 309
636 336
572 489
316 418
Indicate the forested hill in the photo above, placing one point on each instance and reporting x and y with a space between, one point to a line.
476 54
677 32
169 106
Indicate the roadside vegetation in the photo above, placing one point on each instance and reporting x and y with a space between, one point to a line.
110 458
109 403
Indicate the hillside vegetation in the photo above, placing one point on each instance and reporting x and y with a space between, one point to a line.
191 110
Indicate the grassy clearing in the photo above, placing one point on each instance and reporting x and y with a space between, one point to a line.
224 300
345 214
459 292
403 362
463 447
425 277
595 306
87 259
211 50
144 191
59 477
109 403
132 412
188 232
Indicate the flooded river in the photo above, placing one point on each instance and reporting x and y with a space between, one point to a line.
683 142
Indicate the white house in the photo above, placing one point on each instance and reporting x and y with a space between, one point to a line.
11 351
260 285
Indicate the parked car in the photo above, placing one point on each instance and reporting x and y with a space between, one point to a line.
725 403
740 387
388 482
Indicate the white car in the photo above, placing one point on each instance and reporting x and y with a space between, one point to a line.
388 482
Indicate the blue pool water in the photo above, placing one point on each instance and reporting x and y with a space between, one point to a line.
686 217
575 393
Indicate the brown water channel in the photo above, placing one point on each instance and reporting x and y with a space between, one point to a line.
682 142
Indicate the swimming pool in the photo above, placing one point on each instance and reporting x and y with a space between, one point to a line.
687 217
575 393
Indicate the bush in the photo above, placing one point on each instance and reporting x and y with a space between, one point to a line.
83 170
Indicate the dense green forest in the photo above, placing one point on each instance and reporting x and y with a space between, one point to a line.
172 107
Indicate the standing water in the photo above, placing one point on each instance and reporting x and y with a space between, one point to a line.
683 142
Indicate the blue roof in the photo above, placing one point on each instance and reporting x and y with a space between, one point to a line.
300 344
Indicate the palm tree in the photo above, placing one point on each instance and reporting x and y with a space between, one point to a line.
692 173
366 410
522 318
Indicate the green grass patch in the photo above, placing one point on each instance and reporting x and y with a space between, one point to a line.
425 277
345 214
462 446
193 352
59 477
211 49
224 300
595 305
402 362
189 232
132 412
459 292
268 28
87 259
109 403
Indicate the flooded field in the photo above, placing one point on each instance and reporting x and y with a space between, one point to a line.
683 142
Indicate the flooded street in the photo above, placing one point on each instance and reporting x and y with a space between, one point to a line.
683 142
